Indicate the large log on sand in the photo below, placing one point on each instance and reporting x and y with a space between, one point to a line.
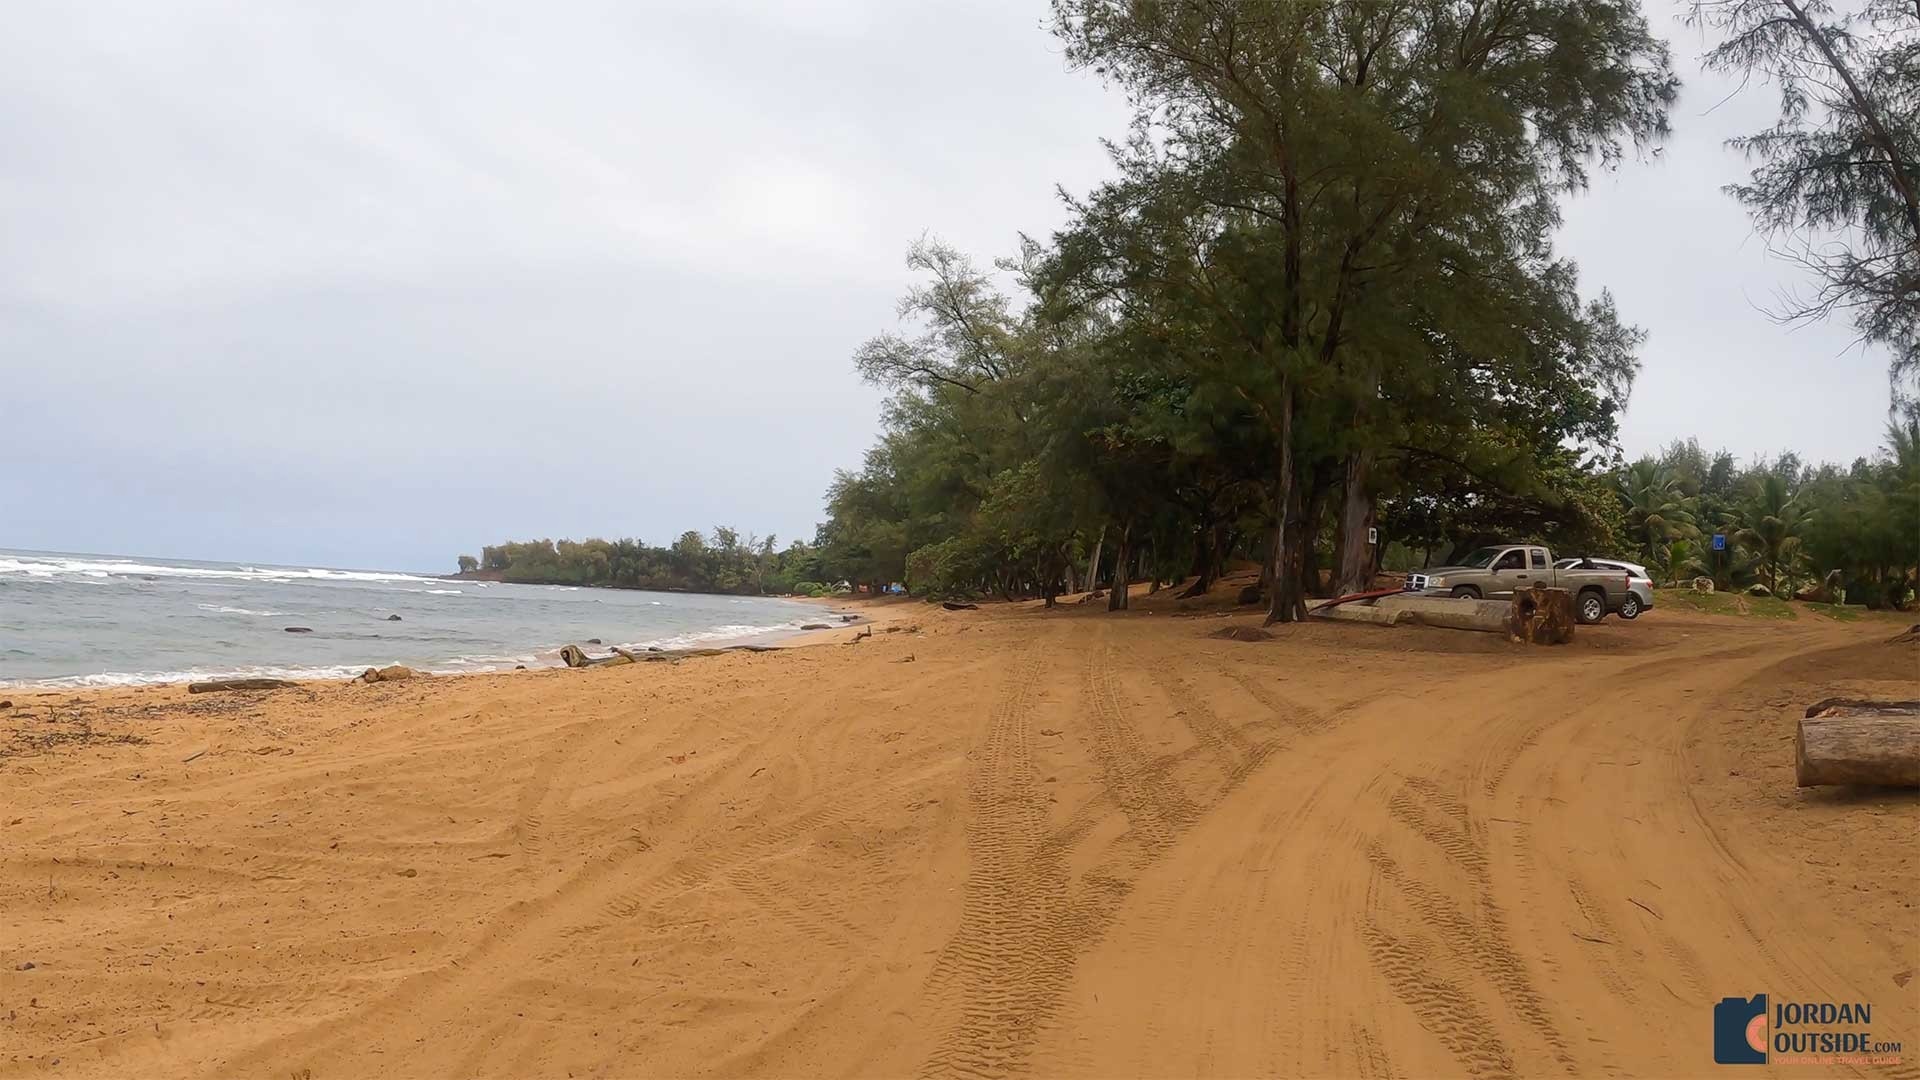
1859 742
1540 616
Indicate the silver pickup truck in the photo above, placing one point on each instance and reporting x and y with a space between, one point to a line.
1494 573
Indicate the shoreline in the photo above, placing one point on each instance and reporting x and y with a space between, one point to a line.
349 673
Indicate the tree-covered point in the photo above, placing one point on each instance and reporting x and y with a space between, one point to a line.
726 562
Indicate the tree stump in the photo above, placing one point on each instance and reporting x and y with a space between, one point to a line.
1541 616
1859 742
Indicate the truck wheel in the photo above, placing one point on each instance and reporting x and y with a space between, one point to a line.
1592 606
1465 592
1630 607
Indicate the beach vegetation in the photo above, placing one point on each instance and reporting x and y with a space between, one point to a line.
1317 316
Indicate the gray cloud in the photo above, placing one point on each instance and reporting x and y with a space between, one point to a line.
374 284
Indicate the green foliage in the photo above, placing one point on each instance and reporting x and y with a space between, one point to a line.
1772 523
725 563
953 568
1787 524
1657 509
1836 180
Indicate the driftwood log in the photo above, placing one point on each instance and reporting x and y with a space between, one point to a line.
1845 741
212 686
1541 616
575 656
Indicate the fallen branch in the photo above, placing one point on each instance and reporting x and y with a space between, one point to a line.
216 685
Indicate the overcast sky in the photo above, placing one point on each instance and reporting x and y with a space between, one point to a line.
375 284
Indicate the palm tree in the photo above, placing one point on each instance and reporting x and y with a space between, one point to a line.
1775 521
1658 511
1730 568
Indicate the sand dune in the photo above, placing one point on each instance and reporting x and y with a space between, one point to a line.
1010 842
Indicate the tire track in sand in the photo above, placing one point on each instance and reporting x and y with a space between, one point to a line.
1010 955
1026 916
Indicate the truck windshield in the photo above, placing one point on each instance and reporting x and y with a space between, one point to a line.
1479 559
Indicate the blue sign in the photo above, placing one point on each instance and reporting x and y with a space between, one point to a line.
1719 541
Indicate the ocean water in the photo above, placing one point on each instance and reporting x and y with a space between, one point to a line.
107 620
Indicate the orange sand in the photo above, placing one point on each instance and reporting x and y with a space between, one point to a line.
1007 842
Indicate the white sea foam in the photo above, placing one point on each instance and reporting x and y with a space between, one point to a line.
147 678
221 609
57 566
734 632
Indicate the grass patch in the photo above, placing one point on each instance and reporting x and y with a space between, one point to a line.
1836 612
1768 607
1735 604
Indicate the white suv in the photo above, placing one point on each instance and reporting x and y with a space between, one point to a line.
1639 585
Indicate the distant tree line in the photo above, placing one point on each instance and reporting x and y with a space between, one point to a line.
725 562
1785 523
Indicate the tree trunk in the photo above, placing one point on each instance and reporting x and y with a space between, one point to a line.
1284 601
1355 572
1308 531
1093 564
1206 561
1117 595
1864 743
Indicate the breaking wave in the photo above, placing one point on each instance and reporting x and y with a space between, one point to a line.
59 566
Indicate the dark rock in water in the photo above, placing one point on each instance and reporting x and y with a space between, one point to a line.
816 626
393 618
595 641
299 629
848 618
655 648
519 667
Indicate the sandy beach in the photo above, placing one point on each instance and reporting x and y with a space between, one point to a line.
997 842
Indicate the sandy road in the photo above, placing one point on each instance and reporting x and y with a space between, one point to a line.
1012 843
